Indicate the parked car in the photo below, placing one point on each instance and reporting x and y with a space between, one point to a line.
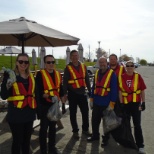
136 65
92 69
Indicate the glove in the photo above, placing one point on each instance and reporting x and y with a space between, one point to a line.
142 105
91 103
111 106
63 108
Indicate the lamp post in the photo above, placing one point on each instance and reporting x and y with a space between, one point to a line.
99 44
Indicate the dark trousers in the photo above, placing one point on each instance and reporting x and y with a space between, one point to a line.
81 101
97 114
47 129
21 133
132 109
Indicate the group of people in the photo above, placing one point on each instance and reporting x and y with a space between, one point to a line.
29 97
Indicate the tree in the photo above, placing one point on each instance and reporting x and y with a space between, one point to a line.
124 58
143 62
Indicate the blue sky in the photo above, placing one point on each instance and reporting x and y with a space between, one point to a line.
119 24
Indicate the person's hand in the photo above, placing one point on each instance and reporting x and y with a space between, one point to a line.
9 84
63 108
142 106
111 106
45 95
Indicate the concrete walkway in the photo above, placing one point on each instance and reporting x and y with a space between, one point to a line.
68 145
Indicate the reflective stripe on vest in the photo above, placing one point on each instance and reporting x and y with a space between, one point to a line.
105 84
22 100
76 79
49 86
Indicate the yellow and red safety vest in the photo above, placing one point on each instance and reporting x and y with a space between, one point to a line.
119 71
77 79
103 87
130 94
49 86
21 97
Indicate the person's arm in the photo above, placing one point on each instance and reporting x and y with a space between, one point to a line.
87 81
65 82
113 91
143 96
114 87
40 88
5 93
120 96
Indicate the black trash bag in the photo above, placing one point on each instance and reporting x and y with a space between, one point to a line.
118 109
123 134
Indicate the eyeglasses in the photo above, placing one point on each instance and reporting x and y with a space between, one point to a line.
129 65
50 62
22 61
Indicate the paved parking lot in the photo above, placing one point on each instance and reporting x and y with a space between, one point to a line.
68 145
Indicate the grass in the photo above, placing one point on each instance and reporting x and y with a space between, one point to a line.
60 63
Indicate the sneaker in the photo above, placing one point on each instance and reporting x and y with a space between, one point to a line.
142 151
76 135
86 133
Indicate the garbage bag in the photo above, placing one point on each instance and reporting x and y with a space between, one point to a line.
54 112
110 121
119 109
123 134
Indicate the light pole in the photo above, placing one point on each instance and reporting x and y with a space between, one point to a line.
99 44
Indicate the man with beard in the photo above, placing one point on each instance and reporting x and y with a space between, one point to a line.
114 65
104 96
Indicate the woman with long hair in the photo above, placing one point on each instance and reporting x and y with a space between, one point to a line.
21 104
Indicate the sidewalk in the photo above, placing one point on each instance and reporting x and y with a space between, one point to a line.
68 145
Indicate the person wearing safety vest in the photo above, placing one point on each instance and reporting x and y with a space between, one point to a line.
49 83
132 96
103 97
75 81
19 90
119 69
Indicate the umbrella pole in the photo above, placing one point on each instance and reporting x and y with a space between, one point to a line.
22 43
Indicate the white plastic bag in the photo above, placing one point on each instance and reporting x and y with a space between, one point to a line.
12 77
110 120
54 112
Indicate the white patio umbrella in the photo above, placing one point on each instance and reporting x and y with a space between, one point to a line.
67 55
24 32
10 50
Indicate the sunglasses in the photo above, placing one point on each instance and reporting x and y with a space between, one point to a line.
50 62
129 65
22 61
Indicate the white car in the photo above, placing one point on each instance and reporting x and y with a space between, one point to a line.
92 69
